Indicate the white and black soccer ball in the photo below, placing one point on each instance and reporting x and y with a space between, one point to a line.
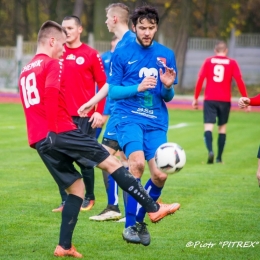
170 158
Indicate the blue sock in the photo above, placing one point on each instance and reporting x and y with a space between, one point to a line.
130 210
154 192
112 191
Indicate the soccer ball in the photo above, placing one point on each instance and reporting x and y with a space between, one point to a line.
170 158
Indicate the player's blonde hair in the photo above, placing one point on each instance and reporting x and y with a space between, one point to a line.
49 29
121 11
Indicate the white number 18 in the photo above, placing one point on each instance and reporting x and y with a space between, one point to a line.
30 92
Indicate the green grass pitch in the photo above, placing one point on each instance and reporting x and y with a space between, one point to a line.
220 203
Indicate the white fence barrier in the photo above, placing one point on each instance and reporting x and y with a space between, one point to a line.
246 50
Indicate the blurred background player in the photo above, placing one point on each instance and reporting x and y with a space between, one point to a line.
141 81
218 71
106 57
83 70
117 22
245 102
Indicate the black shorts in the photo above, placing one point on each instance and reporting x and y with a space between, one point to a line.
84 124
216 109
258 154
72 146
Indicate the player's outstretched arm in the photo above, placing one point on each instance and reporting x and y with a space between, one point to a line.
120 92
85 108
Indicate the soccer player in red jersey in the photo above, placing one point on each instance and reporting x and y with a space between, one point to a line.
60 143
83 70
218 71
244 102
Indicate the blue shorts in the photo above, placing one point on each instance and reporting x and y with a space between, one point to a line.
134 137
110 131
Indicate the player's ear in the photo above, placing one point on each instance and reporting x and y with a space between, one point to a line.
80 29
51 41
133 28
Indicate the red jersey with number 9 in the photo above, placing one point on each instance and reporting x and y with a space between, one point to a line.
218 72
41 74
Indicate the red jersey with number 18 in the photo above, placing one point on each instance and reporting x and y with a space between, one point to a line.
219 71
43 98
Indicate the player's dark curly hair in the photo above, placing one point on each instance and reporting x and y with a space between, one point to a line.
145 12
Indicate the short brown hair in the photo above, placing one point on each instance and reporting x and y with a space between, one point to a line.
49 28
220 46
75 18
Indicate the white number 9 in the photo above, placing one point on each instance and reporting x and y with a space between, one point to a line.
30 92
218 73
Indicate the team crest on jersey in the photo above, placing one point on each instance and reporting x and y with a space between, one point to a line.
71 57
161 62
80 60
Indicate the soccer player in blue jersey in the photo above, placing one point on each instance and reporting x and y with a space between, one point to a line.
141 81
117 22
106 57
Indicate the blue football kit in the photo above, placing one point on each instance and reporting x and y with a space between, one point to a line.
141 118
110 131
147 110
106 58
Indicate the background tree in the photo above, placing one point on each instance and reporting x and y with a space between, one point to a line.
78 7
208 18
180 43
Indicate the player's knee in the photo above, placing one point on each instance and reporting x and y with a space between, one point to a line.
77 188
159 177
110 164
136 167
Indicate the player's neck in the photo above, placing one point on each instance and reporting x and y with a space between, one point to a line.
74 45
42 50
222 54
120 31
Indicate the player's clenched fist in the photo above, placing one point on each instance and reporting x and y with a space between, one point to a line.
147 83
243 102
